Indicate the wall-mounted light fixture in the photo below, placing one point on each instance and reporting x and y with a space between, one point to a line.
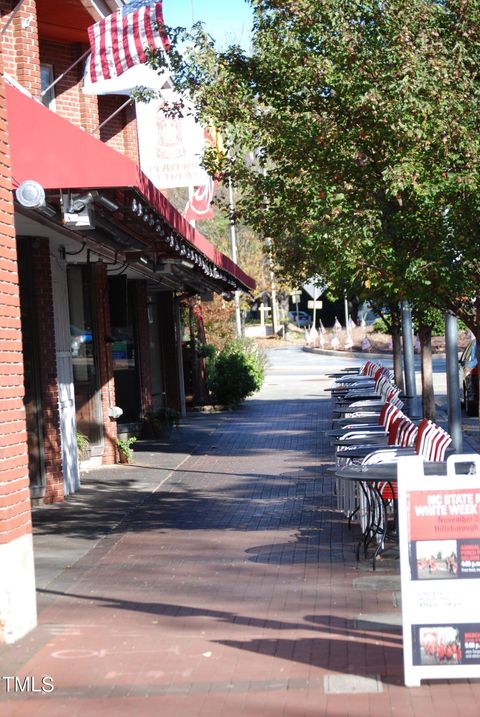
78 210
31 194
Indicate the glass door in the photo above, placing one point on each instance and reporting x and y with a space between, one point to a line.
88 407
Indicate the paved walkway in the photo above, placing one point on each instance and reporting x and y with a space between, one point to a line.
215 577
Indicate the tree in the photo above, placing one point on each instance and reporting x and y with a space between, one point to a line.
367 119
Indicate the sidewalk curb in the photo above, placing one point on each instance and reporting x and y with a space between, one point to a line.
356 354
345 354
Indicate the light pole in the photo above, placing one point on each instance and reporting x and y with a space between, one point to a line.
453 385
347 317
273 288
409 358
233 238
296 298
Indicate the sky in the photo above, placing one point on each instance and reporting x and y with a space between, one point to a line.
227 21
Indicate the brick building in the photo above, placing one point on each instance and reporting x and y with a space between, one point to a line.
91 279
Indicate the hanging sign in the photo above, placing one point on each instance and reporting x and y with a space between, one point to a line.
170 147
439 522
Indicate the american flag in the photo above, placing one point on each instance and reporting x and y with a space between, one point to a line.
118 42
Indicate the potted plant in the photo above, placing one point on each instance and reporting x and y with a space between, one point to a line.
125 450
83 447
157 424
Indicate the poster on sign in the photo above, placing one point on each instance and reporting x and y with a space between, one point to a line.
439 523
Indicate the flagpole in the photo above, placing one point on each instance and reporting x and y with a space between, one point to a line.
191 192
10 19
119 109
52 84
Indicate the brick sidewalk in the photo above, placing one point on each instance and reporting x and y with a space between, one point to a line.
231 590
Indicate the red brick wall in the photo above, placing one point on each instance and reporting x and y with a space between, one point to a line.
47 361
120 132
107 384
15 513
143 341
68 90
20 45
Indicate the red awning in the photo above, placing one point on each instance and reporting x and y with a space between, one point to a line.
57 154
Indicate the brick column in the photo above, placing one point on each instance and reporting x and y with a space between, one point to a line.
27 53
107 383
17 586
43 293
130 135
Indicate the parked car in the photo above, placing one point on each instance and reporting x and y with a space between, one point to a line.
469 378
303 319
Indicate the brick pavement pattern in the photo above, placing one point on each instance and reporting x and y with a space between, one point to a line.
231 590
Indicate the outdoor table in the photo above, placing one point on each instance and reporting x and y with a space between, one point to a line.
361 450
345 372
357 395
342 430
363 441
368 417
359 403
372 506
372 407
348 383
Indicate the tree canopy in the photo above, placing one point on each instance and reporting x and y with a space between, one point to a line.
362 119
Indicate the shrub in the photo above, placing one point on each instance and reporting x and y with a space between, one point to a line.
157 423
125 448
434 317
380 327
236 372
83 446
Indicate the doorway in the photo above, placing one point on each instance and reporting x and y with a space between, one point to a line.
88 408
32 380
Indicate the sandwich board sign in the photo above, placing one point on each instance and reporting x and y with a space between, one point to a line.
439 524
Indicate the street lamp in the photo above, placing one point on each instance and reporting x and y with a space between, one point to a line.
233 239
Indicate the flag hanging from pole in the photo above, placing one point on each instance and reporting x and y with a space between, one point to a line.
119 41
200 204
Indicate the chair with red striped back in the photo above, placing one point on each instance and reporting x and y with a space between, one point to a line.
374 367
365 368
421 444
432 441
406 433
389 413
439 442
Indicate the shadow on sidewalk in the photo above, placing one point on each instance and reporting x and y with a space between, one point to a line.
256 502
365 649
347 656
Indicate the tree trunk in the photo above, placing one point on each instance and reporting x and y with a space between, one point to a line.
397 348
428 397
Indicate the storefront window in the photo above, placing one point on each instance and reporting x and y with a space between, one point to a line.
46 75
124 348
84 363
